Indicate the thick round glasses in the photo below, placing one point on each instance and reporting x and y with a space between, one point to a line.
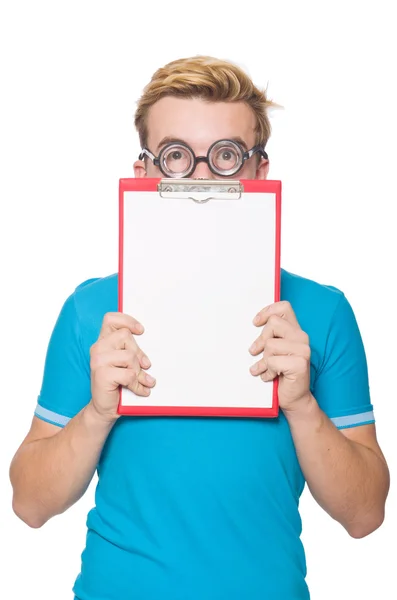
224 158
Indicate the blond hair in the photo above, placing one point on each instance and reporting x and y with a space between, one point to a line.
208 78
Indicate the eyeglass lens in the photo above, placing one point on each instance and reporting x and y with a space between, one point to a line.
224 158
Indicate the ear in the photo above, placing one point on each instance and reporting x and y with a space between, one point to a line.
139 169
262 169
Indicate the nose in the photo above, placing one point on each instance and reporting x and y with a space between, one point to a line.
202 171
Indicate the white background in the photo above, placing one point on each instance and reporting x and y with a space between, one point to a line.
70 76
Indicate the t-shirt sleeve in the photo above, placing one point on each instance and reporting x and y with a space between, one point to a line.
66 385
341 387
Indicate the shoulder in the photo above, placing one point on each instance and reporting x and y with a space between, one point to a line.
321 309
313 302
92 299
302 290
102 289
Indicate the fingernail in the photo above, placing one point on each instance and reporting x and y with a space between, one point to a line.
253 347
146 362
150 379
140 328
257 319
254 368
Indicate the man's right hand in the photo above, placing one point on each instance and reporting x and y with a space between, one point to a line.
116 359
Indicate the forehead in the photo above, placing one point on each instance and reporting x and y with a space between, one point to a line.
198 122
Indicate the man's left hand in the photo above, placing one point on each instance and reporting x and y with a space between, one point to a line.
286 354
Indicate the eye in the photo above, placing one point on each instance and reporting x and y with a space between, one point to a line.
176 155
227 155
176 160
225 158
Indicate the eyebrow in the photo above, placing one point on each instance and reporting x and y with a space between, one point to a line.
170 140
173 140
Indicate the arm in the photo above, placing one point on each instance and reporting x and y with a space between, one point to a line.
345 470
53 467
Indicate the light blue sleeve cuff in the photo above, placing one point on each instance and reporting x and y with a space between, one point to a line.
339 422
51 417
364 418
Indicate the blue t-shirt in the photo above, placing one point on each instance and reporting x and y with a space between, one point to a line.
201 508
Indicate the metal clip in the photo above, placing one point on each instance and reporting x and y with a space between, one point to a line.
200 190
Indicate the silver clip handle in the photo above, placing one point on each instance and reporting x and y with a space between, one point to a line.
200 190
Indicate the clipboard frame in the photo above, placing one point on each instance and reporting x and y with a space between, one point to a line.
147 184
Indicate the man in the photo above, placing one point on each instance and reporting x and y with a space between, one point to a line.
186 508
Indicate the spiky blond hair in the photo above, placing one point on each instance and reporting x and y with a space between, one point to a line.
207 78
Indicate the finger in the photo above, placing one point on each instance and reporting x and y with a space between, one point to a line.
290 367
117 320
283 347
146 380
111 358
279 347
123 341
144 360
136 381
277 327
119 358
119 339
259 367
282 309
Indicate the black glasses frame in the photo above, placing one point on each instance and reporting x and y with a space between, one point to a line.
245 155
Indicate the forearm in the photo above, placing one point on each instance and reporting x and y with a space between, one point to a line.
349 480
51 474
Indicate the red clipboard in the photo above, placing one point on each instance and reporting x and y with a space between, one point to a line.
197 260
